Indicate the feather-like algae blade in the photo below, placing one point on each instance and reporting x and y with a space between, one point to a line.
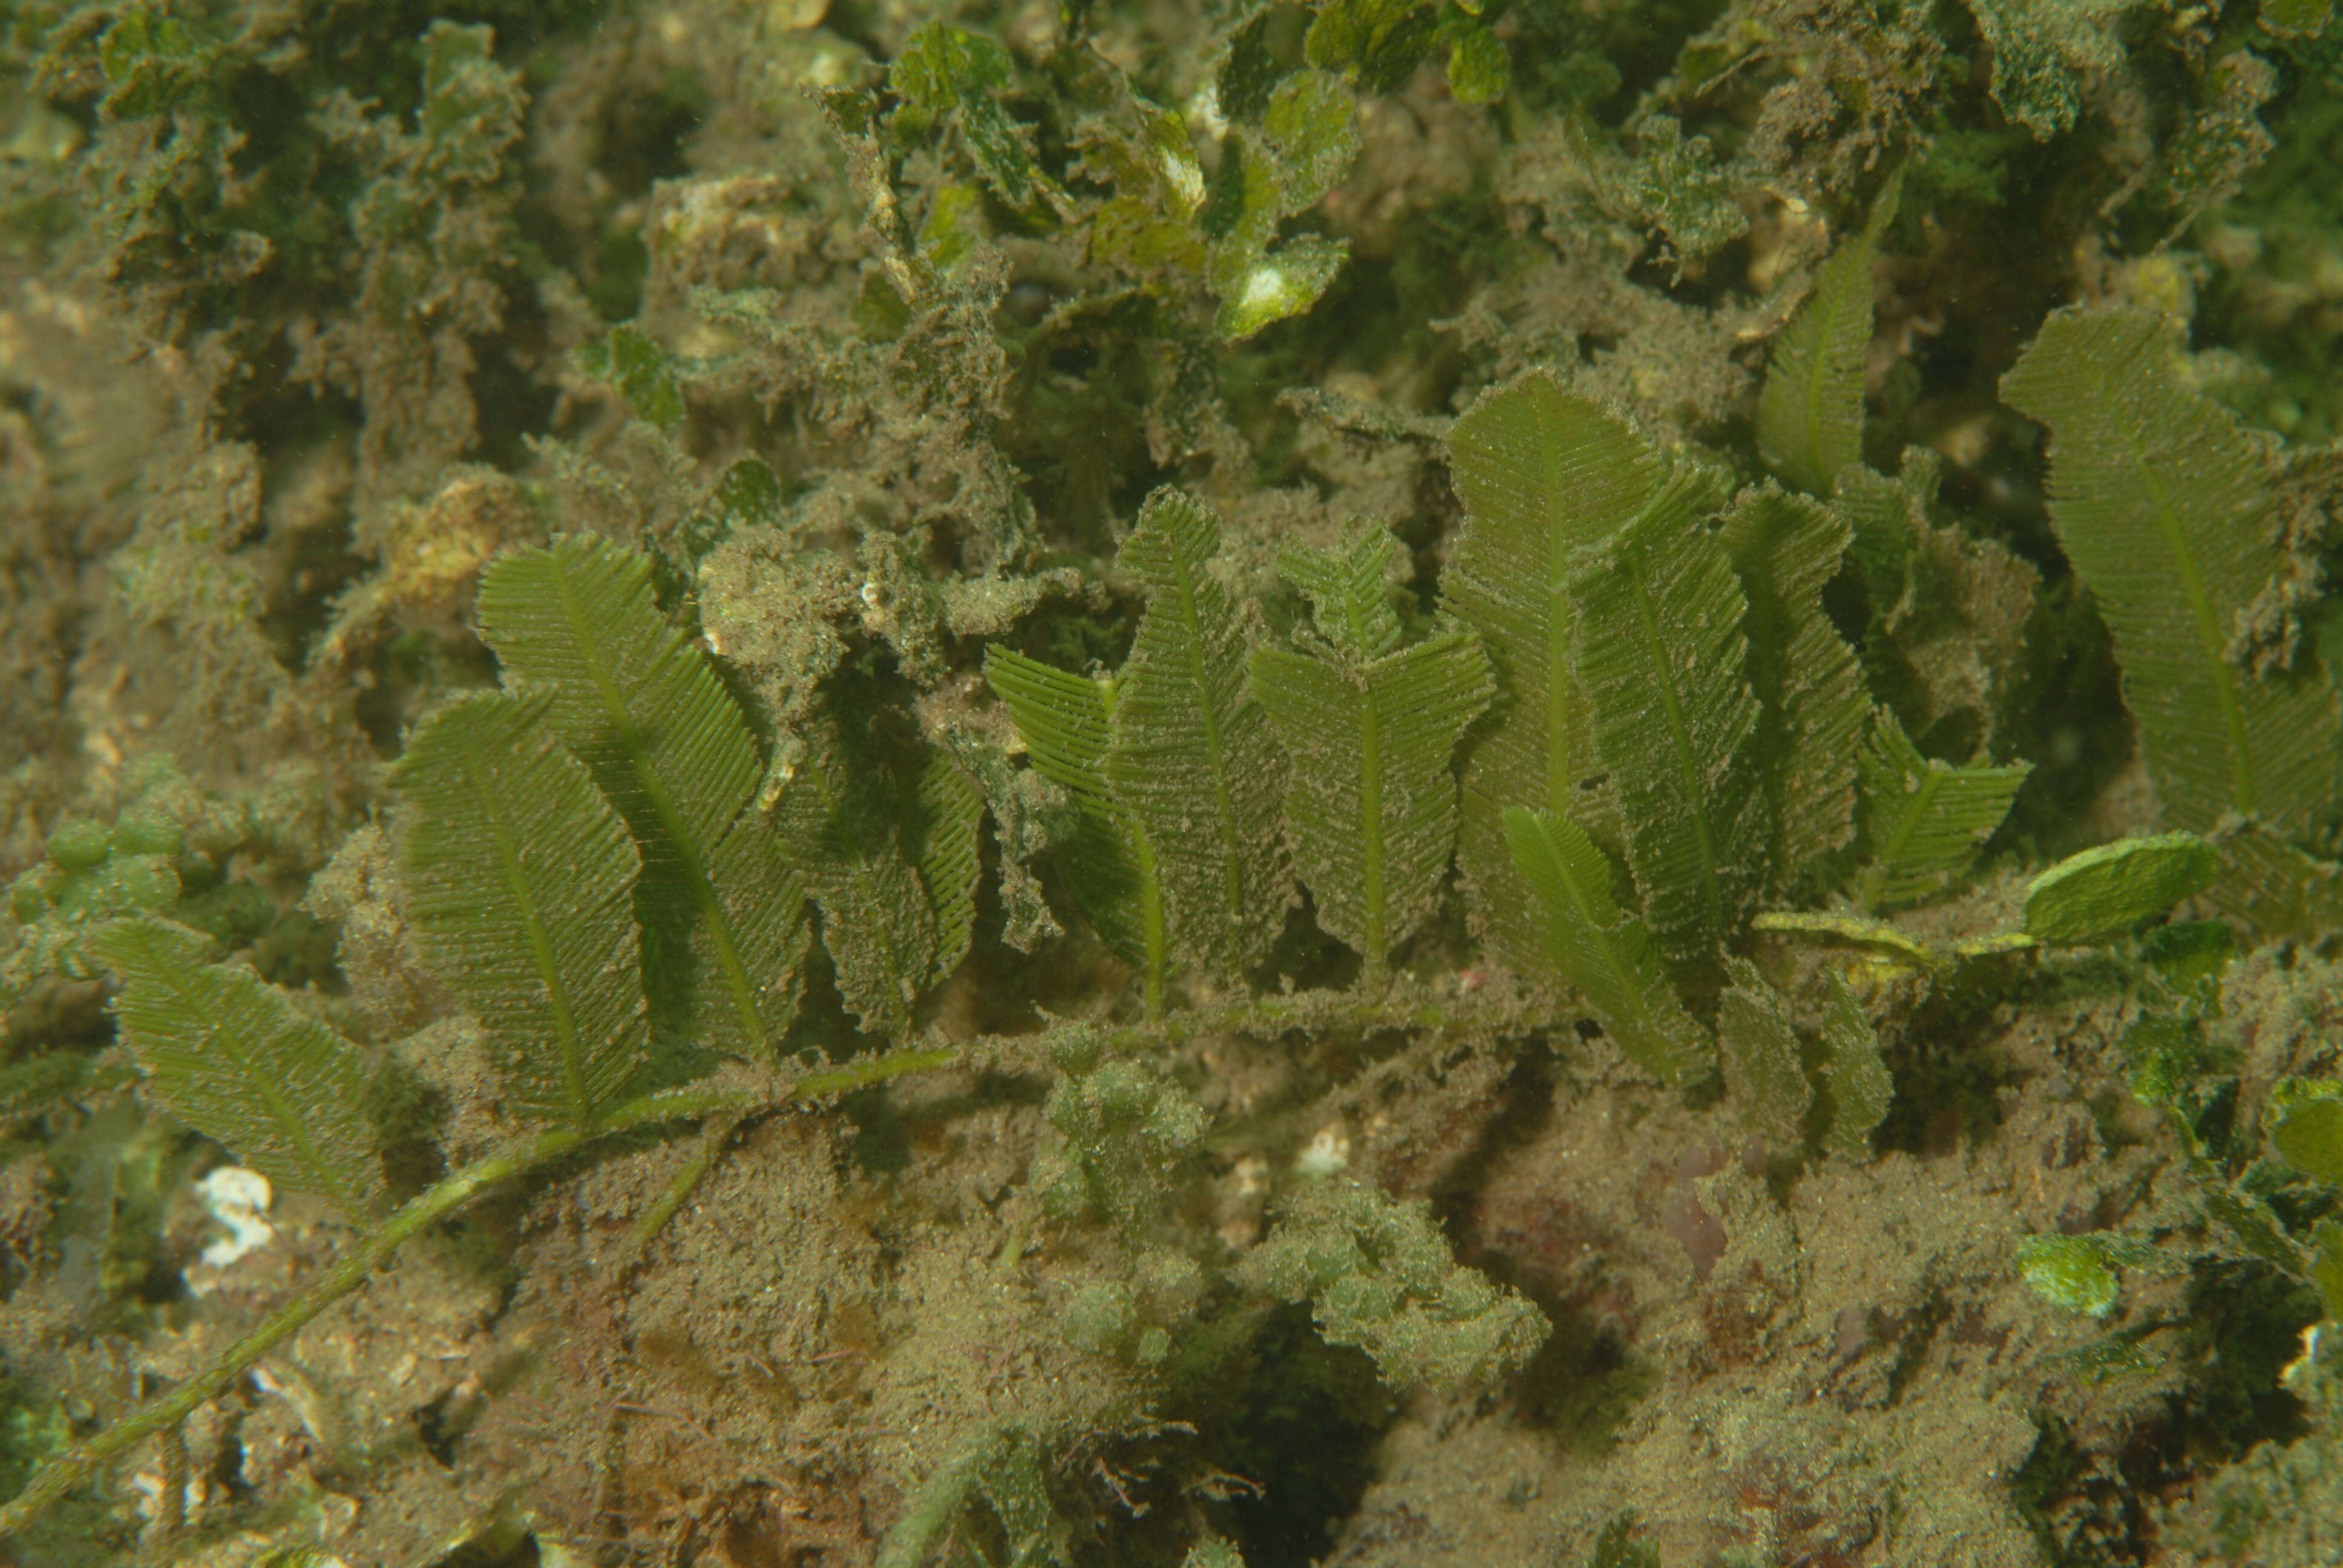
1810 414
1193 759
723 909
2163 503
1373 804
1757 1048
1861 1088
1809 684
1349 590
1606 954
843 817
1066 721
941 838
1922 818
1544 473
520 888
236 1060
1660 651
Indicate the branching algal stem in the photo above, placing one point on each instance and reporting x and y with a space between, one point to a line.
68 1469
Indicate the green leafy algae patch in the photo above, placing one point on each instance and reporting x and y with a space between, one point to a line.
1400 783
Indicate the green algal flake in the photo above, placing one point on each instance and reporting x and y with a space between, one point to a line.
940 67
2108 1358
1194 759
521 882
723 909
640 372
1479 70
1371 727
2068 1272
945 75
151 62
470 113
235 1060
2307 1127
1269 288
2170 1060
1313 124
2044 51
2207 163
1304 144
2254 1228
1605 955
2325 1268
2298 18
2163 502
2190 955
1675 185
1376 43
1213 1552
954 226
1545 474
2110 889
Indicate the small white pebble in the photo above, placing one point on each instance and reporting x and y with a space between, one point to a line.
1328 1154
238 1199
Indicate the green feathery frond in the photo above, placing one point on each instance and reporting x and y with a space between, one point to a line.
843 817
722 912
1067 721
1860 1086
1350 593
1660 651
1545 474
2163 503
1922 820
1193 759
1757 1048
940 837
235 1060
1810 415
1809 685
521 882
2272 884
1371 728
1604 954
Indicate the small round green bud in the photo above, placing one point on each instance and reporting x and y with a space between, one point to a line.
79 846
145 833
148 882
